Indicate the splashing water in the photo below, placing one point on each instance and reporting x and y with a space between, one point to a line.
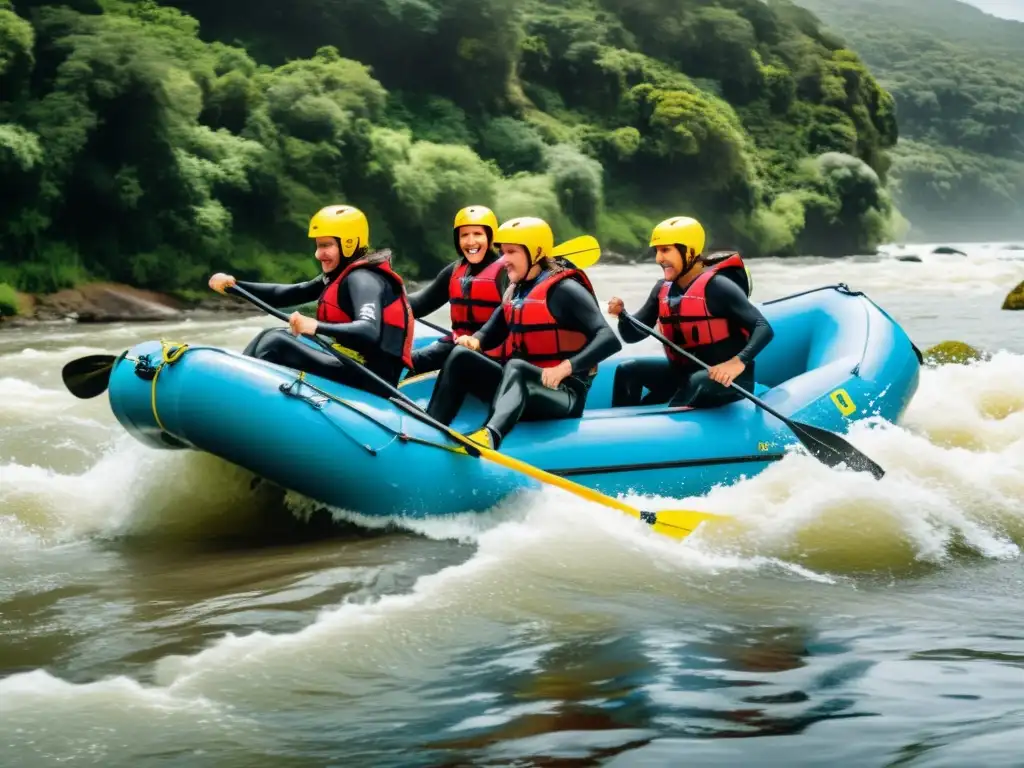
124 643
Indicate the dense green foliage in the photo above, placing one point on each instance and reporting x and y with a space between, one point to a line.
137 149
957 75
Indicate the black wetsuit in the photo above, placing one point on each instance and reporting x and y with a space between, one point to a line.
667 383
515 391
363 289
432 298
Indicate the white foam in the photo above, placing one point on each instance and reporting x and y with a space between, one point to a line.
18 396
130 490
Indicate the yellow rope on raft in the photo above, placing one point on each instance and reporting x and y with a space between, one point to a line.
171 352
349 353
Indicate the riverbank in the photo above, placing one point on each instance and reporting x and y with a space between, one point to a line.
107 302
114 303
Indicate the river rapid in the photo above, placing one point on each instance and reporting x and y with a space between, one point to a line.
155 609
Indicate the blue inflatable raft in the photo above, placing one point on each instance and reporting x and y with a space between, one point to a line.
836 358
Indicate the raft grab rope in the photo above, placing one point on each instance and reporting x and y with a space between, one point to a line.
170 353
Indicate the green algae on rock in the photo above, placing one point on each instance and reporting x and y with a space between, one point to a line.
1015 298
947 352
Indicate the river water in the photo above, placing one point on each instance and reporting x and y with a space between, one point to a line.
157 610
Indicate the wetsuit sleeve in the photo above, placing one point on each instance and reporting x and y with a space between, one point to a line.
574 308
365 290
278 295
494 331
726 299
647 314
434 296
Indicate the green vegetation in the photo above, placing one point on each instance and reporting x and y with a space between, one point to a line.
146 145
8 301
957 75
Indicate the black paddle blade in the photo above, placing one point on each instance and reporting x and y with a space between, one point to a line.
831 450
88 376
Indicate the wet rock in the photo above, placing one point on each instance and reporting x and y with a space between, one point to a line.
947 250
948 352
105 303
614 257
114 302
1015 298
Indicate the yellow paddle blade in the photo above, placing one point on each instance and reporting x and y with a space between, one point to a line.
583 251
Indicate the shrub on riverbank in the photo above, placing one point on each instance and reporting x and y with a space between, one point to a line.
8 301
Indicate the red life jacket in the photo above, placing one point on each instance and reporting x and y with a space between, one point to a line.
534 334
687 321
397 323
473 299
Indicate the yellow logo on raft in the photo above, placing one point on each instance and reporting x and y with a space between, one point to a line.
843 402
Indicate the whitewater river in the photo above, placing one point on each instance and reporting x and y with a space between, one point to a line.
155 610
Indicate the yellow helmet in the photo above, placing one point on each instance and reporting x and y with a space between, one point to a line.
533 234
344 222
679 230
479 216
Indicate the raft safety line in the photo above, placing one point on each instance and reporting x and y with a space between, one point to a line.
300 379
839 287
405 438
144 370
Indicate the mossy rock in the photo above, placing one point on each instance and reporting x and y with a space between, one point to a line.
948 352
1015 298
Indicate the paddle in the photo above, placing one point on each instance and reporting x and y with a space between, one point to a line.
827 447
675 523
584 251
88 376
435 326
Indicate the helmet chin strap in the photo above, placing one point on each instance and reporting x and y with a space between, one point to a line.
688 263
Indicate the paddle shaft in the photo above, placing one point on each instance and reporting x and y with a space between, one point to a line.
396 397
435 326
392 392
827 447
667 522
361 369
679 350
408 405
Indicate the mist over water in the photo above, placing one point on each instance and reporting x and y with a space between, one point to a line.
156 608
